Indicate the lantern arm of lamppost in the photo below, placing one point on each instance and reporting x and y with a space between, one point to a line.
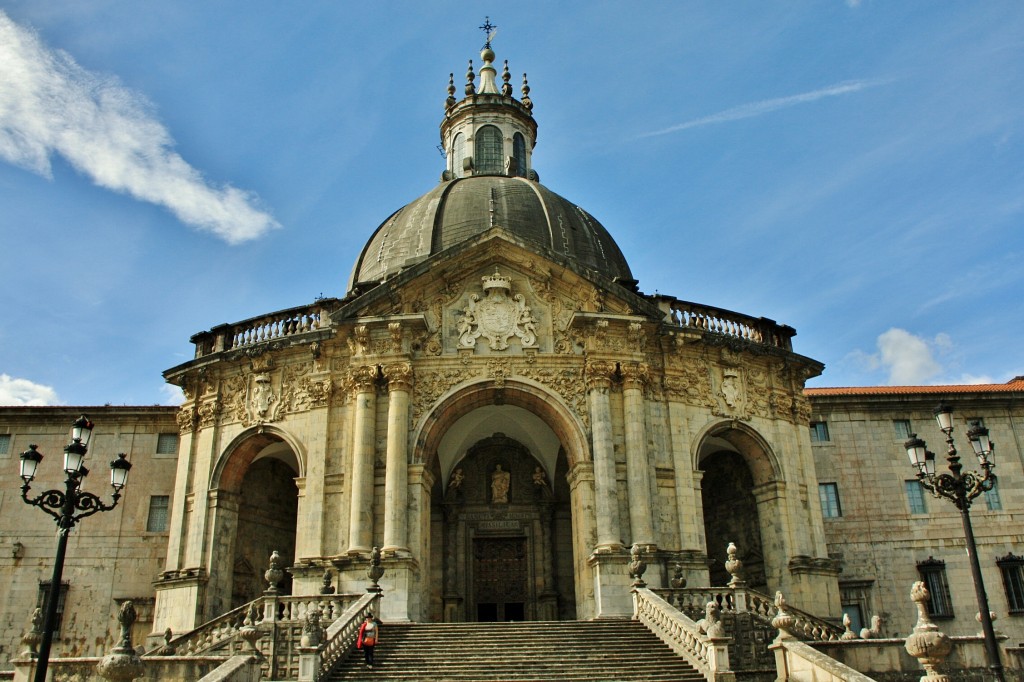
960 489
56 504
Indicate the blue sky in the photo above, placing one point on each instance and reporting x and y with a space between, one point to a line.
852 169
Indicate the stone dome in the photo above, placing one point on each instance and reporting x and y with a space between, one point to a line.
460 209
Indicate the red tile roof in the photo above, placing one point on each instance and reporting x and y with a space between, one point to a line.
1015 385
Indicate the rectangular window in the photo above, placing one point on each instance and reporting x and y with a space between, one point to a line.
158 513
915 497
5 443
819 432
62 594
1012 568
167 444
828 493
902 427
992 500
933 575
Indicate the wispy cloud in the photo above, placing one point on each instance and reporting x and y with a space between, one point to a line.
766 106
912 360
51 105
23 392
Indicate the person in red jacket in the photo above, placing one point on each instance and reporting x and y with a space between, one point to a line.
369 633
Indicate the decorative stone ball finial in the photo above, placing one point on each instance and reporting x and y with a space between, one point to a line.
470 86
122 664
783 621
275 573
527 102
734 566
450 102
927 643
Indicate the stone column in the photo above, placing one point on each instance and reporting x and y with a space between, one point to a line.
396 489
360 536
606 499
634 376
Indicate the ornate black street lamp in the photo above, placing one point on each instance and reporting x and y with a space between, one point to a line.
67 508
961 488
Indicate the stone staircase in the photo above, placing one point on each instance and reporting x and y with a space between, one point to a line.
596 651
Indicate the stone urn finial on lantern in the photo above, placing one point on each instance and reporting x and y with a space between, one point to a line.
927 644
734 566
122 664
637 565
275 573
375 571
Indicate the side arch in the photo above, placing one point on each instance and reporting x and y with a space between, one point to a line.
235 459
746 441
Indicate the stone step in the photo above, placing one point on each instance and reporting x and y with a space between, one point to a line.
587 651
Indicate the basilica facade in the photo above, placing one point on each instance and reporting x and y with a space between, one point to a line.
497 407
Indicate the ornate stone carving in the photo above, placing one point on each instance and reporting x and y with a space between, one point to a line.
734 566
399 376
364 378
500 483
186 419
635 374
430 386
497 317
359 342
691 386
635 336
264 404
122 664
500 369
375 572
568 383
208 413
599 374
637 565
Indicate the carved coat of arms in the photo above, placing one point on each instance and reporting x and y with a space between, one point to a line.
497 317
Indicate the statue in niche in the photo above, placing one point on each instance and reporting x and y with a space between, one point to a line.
455 482
500 481
539 479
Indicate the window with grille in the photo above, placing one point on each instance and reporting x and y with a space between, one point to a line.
828 493
167 444
158 513
933 575
43 594
915 497
5 443
819 432
902 428
1012 568
488 155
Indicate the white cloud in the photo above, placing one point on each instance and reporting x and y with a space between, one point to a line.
173 395
22 392
51 105
769 105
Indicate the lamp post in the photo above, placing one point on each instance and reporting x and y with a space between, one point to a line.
961 488
67 507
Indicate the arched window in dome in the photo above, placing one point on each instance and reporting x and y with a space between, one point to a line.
488 156
519 154
458 155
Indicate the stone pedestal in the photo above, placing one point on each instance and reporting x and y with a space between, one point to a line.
612 584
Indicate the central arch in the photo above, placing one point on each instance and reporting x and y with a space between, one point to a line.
505 530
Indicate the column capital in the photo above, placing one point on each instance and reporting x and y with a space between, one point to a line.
363 378
599 374
399 376
635 374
